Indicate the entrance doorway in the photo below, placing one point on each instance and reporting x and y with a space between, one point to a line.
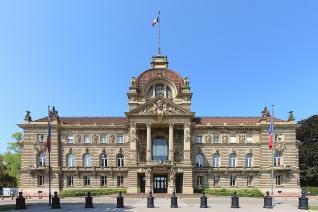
142 183
160 184
179 183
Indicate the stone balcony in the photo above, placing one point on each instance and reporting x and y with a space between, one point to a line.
93 169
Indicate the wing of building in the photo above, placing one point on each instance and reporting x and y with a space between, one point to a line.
159 145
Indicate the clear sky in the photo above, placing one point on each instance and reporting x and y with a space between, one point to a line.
239 55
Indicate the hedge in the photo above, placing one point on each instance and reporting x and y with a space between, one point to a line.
94 192
251 192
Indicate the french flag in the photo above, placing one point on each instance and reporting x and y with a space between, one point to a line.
48 140
156 20
270 134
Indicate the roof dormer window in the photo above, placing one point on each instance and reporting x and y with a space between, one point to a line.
159 90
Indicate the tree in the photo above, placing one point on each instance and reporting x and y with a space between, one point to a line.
307 134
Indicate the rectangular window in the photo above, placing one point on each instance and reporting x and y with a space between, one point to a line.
216 139
87 180
87 139
120 139
103 180
40 138
232 181
103 139
216 180
200 180
120 181
233 139
278 180
69 180
199 139
40 180
249 139
70 139
249 181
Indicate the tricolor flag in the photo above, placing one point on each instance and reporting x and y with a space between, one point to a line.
48 140
156 20
270 133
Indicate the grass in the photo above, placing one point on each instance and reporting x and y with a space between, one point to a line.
314 207
6 207
252 192
94 192
313 190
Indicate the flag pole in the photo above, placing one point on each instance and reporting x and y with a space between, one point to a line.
273 135
159 33
49 150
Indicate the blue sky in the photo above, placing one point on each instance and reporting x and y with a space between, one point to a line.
239 55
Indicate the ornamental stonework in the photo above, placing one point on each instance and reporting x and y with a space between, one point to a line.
225 139
208 139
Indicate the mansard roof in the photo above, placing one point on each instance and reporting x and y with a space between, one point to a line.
229 120
89 120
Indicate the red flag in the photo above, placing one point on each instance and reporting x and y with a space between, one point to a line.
270 134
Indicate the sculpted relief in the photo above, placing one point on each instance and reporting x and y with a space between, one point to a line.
160 108
225 139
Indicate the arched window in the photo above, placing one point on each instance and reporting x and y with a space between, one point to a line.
216 160
277 159
160 149
199 160
70 160
41 159
120 160
248 160
87 160
232 160
103 160
159 90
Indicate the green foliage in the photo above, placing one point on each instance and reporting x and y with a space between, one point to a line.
7 207
313 190
251 192
307 134
94 192
13 164
17 144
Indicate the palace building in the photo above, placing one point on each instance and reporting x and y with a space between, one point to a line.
159 145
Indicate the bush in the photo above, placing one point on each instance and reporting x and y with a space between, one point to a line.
94 192
313 190
251 192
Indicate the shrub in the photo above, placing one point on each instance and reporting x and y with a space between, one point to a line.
94 192
250 192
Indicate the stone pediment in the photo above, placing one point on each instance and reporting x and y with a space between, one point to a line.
159 106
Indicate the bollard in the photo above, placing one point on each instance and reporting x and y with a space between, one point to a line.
20 202
120 201
150 200
174 200
268 201
235 201
88 200
203 201
55 201
303 202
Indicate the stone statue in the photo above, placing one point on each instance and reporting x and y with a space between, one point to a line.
132 135
208 139
28 116
172 174
291 116
225 139
78 139
265 115
133 82
112 139
186 82
95 139
242 139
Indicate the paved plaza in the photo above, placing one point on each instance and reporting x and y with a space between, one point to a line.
108 203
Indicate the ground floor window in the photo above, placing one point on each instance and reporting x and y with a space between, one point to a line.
278 180
216 180
103 180
200 180
40 180
87 181
249 181
232 181
69 180
120 180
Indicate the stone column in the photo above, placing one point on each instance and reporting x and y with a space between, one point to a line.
187 173
148 142
171 147
148 175
132 173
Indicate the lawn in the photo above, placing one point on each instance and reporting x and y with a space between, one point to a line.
314 207
6 207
